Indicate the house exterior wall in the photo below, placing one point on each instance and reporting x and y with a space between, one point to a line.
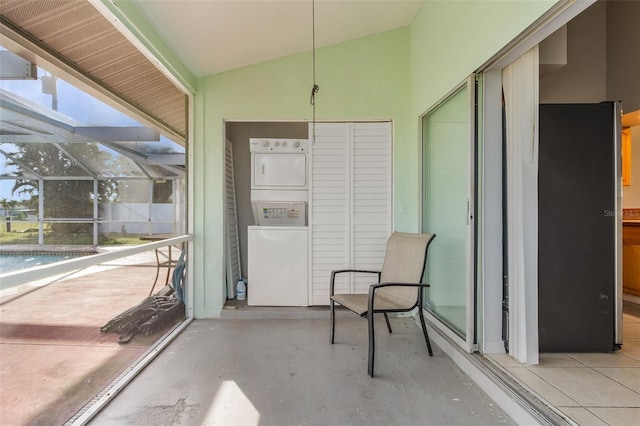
398 74
393 75
364 79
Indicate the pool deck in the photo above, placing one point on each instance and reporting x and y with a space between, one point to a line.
54 357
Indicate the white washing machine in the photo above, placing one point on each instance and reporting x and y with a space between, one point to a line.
278 243
278 266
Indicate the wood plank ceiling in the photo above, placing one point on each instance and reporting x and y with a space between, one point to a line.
78 35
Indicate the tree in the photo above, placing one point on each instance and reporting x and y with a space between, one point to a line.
7 205
67 198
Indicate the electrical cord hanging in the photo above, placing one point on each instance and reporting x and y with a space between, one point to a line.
315 87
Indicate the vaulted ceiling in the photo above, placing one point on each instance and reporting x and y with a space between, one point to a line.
212 36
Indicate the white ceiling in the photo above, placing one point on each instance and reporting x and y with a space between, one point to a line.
211 36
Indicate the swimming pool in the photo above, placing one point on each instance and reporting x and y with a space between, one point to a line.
11 262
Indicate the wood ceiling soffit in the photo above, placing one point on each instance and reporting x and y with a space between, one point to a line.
77 32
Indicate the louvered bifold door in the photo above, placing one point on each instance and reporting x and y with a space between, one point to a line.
329 207
231 235
370 199
350 204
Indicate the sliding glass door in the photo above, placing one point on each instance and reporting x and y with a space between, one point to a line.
448 158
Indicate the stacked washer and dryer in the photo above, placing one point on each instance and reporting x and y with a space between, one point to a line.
278 243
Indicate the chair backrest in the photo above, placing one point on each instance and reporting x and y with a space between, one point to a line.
404 262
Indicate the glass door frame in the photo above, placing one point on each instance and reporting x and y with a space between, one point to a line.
468 341
490 242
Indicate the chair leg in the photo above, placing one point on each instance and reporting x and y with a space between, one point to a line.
372 344
386 318
424 330
333 320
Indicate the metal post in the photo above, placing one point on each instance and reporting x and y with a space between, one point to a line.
40 212
150 225
174 198
95 212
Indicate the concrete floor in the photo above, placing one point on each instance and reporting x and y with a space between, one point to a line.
253 366
285 372
259 366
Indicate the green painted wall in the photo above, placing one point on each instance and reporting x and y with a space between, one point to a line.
394 75
451 39
362 79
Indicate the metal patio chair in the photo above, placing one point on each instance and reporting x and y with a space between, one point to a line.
399 287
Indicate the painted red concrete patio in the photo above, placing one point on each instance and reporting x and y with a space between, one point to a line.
53 357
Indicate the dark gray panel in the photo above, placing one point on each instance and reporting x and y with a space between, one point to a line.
576 220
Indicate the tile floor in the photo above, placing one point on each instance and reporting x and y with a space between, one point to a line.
589 388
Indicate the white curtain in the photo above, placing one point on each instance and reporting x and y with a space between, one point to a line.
520 86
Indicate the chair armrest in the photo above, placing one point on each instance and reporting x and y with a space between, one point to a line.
387 284
374 287
340 271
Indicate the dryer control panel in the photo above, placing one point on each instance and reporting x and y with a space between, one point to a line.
279 213
278 145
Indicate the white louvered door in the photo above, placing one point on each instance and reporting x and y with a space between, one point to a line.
232 252
370 199
328 207
350 204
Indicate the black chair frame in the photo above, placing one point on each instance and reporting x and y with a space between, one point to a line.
369 314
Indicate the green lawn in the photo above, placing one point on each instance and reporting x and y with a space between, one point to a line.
26 233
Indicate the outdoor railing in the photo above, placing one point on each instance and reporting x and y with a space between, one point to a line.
23 276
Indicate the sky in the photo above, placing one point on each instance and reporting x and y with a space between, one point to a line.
71 102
